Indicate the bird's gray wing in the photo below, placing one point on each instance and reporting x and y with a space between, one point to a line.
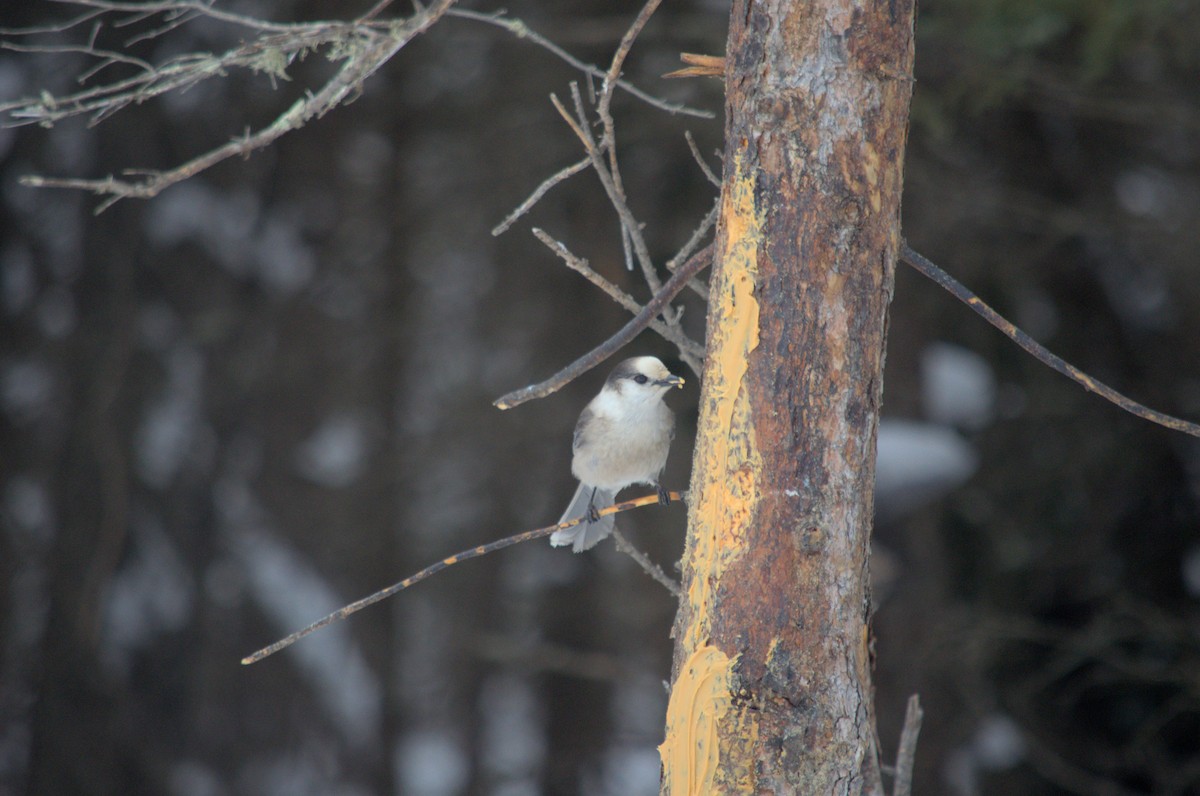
585 417
586 534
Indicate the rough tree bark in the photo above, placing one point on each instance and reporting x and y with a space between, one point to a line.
771 687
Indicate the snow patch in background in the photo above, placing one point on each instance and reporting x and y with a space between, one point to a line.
633 766
56 314
28 507
997 745
335 454
26 389
151 594
158 326
365 158
285 262
630 771
1140 293
171 428
513 740
31 530
639 704
958 387
431 764
18 278
234 229
918 463
192 778
293 594
1147 192
1191 572
309 772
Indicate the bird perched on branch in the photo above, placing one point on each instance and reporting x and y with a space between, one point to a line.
622 438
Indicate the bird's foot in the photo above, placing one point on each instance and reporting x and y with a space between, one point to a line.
593 514
664 497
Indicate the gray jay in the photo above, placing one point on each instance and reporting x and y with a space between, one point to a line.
621 439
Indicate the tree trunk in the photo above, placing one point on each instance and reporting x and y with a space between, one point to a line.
771 688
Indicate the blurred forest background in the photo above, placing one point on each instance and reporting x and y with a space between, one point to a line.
267 392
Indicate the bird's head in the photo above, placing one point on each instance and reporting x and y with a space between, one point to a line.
642 379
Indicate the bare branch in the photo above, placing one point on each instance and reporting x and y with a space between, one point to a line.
643 561
700 161
963 294
698 234
538 193
699 66
58 27
631 236
630 227
523 31
614 69
577 127
143 9
693 266
906 754
616 195
687 346
173 21
433 569
364 53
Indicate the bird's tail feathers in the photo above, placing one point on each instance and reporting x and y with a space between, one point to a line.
586 534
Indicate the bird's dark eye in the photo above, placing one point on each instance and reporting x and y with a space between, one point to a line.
641 378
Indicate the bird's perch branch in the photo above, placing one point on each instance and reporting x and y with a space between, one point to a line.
433 569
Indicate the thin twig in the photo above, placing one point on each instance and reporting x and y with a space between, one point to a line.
616 196
632 231
699 66
906 753
673 334
618 60
433 569
610 179
56 27
173 21
693 266
700 161
523 31
963 294
356 68
203 8
643 561
375 10
108 57
710 218
698 234
580 133
537 195
627 250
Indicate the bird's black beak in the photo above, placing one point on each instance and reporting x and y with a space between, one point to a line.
672 381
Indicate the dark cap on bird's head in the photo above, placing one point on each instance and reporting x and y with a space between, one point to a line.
645 370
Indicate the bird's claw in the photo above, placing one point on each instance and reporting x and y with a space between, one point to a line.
593 514
664 497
